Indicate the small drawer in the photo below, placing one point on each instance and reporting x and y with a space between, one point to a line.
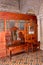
16 49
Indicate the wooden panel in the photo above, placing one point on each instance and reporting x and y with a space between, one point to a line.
2 44
3 54
16 16
16 49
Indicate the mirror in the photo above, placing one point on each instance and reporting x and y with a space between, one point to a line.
31 29
10 24
14 35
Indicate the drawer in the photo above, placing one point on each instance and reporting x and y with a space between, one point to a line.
19 48
16 49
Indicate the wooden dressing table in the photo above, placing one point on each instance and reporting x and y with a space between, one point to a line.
24 23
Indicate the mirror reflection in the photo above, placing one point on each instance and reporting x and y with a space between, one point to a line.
31 29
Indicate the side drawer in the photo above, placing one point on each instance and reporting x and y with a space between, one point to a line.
16 49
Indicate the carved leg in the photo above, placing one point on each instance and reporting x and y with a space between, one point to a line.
10 54
32 48
27 50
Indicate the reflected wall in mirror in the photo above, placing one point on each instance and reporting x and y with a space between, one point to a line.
1 25
21 24
10 24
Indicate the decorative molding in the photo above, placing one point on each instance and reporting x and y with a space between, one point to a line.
30 11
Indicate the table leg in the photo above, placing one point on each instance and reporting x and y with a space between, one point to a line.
10 55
